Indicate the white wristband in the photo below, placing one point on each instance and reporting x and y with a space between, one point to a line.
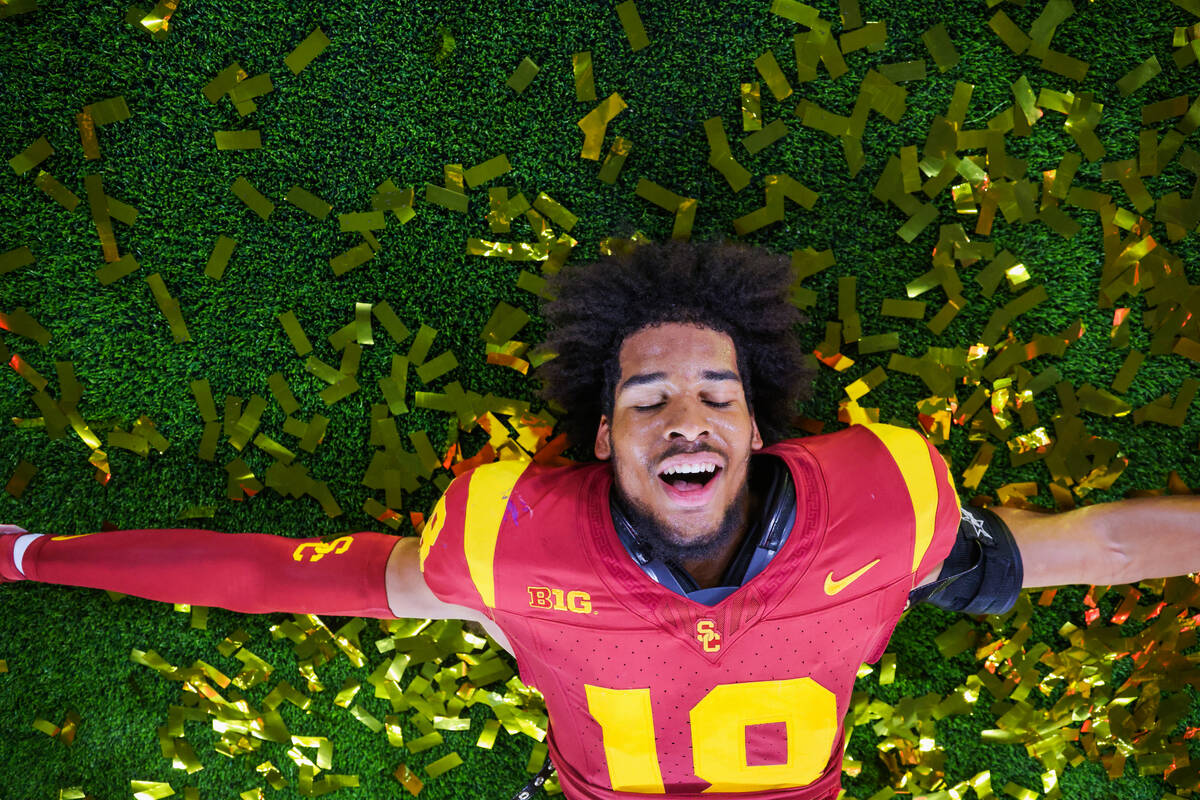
23 543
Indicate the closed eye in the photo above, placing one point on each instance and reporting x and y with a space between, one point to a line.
712 403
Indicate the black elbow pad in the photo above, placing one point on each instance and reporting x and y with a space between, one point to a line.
982 574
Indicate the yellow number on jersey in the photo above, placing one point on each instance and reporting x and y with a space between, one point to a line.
718 732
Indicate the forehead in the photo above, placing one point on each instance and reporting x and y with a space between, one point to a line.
677 348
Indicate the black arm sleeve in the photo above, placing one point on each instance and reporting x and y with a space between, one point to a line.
982 574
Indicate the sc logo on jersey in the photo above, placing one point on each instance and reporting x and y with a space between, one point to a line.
556 600
322 549
706 633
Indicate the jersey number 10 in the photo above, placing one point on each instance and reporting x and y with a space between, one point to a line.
718 731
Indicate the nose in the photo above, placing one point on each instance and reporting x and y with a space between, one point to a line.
688 420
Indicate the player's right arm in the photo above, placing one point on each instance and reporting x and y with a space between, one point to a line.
361 574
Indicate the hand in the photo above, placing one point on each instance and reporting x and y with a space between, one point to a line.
8 542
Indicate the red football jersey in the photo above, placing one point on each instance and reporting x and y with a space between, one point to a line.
649 692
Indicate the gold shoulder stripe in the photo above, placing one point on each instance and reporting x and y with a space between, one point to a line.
911 454
487 500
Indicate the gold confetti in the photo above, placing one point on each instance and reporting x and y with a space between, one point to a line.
170 308
126 265
219 258
106 112
768 67
1139 76
20 479
524 74
150 790
487 171
455 201
254 199
595 123
941 47
308 202
615 159
585 84
60 194
238 140
31 156
15 259
313 45
751 107
631 22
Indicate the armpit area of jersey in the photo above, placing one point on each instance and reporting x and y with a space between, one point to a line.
982 574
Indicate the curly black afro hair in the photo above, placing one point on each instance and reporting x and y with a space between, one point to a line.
739 290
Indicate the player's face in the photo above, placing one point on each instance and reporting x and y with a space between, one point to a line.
681 432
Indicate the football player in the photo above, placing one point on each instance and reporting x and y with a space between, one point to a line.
695 603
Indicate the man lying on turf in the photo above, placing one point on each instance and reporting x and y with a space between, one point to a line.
694 605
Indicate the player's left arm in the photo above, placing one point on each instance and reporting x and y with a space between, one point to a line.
1106 544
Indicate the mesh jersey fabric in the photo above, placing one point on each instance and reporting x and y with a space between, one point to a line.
650 693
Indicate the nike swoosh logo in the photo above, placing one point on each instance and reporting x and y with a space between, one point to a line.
832 587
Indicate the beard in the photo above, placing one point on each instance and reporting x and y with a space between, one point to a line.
676 546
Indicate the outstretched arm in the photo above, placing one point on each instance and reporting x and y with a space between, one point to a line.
1107 544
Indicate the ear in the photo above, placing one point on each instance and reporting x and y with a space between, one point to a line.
603 447
756 441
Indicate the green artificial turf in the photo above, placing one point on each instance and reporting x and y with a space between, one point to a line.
403 90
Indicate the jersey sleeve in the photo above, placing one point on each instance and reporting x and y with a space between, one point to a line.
947 515
458 542
926 478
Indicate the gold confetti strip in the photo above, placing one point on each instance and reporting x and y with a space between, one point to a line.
487 171
170 308
31 156
251 88
126 265
218 259
759 140
631 22
158 21
22 324
253 198
555 211
1065 65
106 112
121 212
308 202
13 7
238 140
150 790
455 201
390 198
445 764
408 779
941 47
361 221
721 158
60 194
797 12
751 107
595 123
524 74
354 257
98 202
15 259
313 45
615 159
872 36
1139 76
585 84
225 80
1008 31
904 71
769 69
20 479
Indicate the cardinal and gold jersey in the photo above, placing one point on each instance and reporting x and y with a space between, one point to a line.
649 692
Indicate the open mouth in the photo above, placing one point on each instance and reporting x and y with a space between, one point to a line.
690 485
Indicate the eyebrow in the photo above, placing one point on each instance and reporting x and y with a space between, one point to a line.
653 377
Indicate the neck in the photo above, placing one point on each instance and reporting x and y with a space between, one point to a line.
709 573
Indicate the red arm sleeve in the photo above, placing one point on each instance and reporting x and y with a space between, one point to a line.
246 572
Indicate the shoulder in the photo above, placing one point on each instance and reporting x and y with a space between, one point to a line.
480 498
